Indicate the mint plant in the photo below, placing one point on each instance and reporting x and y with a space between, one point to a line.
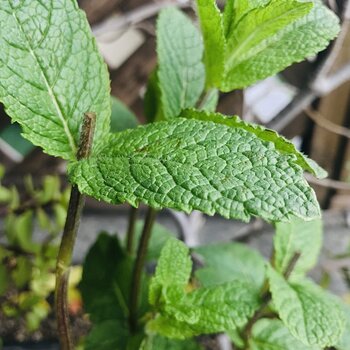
55 84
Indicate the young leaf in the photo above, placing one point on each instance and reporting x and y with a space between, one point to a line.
173 269
214 41
225 262
311 315
191 164
51 73
122 118
304 237
215 309
280 143
181 72
210 101
273 335
264 40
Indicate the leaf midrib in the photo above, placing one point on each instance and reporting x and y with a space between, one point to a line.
49 89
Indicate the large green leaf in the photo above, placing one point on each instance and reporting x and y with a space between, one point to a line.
280 143
173 269
310 314
297 236
273 335
225 262
181 73
214 41
51 73
191 164
264 40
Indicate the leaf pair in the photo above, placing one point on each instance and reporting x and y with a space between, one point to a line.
252 40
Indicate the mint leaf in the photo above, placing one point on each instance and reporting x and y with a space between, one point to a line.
273 335
191 164
152 101
311 315
265 40
122 118
51 73
210 101
173 269
344 343
181 71
225 262
215 309
304 237
280 143
214 41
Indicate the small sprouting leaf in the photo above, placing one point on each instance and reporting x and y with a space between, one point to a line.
281 144
181 74
122 118
273 335
192 164
210 102
173 269
311 315
51 73
214 41
22 274
267 38
225 262
297 236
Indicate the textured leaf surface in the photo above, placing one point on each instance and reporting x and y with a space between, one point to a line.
310 314
173 269
214 41
304 237
181 73
225 262
51 73
281 144
122 118
215 309
265 40
273 335
191 164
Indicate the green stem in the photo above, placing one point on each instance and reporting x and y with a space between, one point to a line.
64 258
138 267
131 230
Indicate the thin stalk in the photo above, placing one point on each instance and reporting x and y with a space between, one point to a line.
138 267
131 230
266 297
64 258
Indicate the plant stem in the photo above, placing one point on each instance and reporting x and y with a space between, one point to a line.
138 267
131 230
64 258
206 95
266 297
